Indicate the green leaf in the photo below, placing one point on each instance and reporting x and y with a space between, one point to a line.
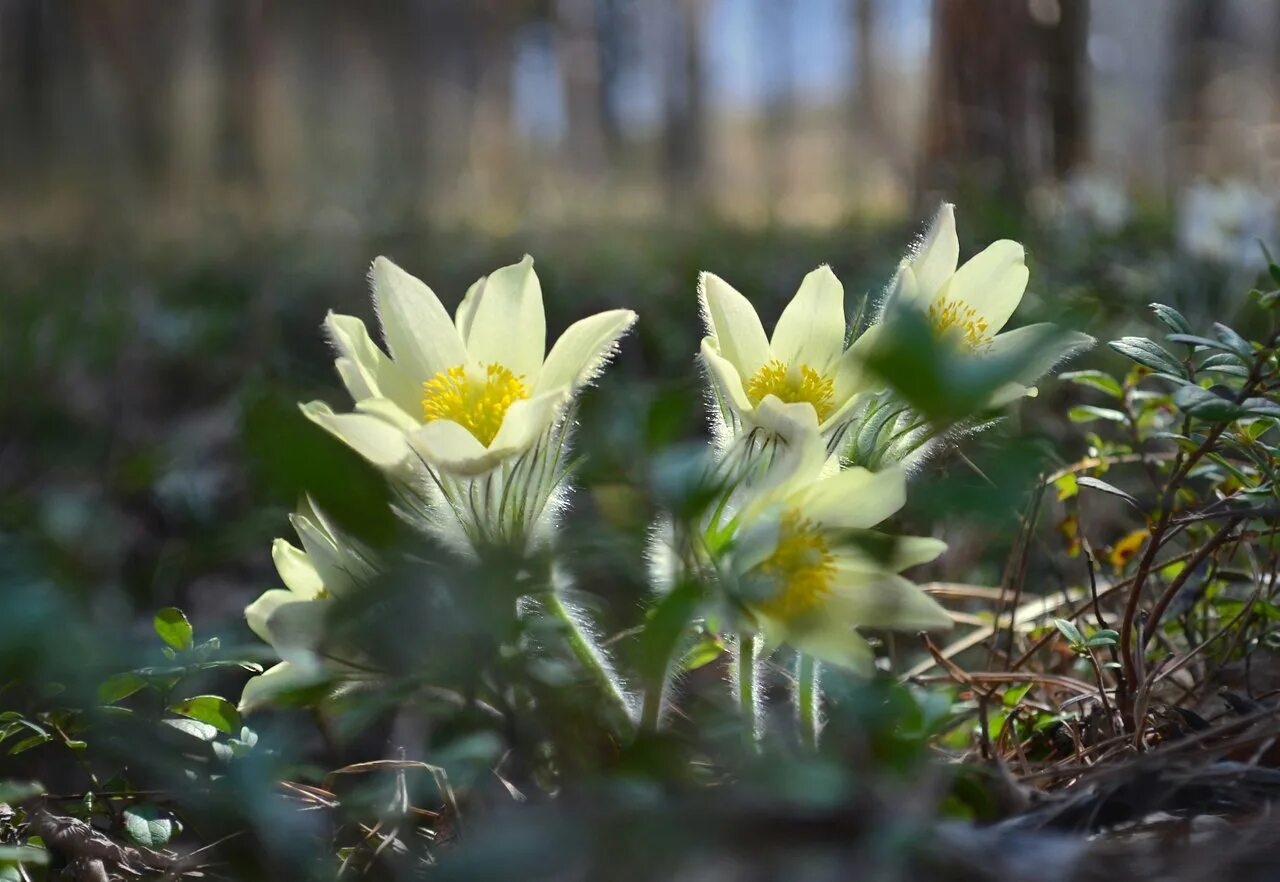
1149 354
1261 407
662 633
27 743
1237 344
1087 413
701 653
1099 380
1171 317
1224 363
947 382
1196 340
22 854
194 728
150 826
1014 694
1070 631
172 626
212 709
1204 405
19 791
119 687
1099 484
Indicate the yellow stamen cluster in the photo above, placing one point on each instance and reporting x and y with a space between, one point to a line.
774 378
802 565
955 315
477 406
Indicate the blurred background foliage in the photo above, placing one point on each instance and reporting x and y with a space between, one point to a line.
187 186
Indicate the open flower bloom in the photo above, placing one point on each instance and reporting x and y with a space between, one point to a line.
759 381
466 395
970 304
807 567
291 619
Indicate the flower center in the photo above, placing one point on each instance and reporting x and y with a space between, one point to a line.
806 384
802 565
476 404
954 316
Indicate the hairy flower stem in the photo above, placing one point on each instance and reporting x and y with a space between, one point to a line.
746 669
807 700
593 661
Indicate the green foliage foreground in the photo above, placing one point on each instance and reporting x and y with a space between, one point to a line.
447 687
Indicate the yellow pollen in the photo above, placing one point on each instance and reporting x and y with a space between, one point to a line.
803 566
477 406
774 378
953 315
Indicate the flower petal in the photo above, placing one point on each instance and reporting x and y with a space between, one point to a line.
834 641
733 321
911 551
811 330
725 377
526 420
296 570
582 350
297 626
419 332
886 601
508 325
371 437
389 412
992 282
466 311
354 381
258 613
1049 344
849 377
854 499
450 447
935 260
904 291
324 555
795 422
284 677
378 374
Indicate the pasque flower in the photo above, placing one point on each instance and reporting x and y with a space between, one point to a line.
970 304
806 566
471 398
760 381
327 566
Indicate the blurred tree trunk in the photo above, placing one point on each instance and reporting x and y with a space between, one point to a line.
1197 34
683 132
578 48
1066 47
778 60
489 29
26 75
976 134
614 45
866 94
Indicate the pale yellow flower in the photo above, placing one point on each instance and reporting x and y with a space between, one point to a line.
761 382
971 303
465 392
806 565
471 406
291 619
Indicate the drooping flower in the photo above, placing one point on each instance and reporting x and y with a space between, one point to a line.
805 564
291 619
760 382
475 400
